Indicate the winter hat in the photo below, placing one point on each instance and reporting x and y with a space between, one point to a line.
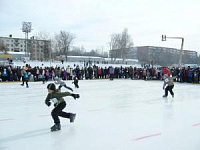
51 86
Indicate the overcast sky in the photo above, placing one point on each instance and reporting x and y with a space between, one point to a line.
93 21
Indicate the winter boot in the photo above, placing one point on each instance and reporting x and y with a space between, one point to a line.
164 96
72 117
55 127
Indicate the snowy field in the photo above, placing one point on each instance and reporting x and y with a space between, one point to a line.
111 115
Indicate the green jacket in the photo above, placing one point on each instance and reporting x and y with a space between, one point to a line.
58 95
168 81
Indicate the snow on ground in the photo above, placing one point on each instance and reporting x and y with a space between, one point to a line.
111 115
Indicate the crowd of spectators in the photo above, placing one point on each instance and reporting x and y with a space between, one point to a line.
185 74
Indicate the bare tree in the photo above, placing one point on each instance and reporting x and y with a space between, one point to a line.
43 35
114 42
77 51
3 47
125 43
114 45
64 41
120 44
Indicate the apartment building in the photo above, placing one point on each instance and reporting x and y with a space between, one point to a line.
165 55
157 55
32 48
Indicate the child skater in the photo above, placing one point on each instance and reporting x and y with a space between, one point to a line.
75 82
25 77
62 83
170 85
56 97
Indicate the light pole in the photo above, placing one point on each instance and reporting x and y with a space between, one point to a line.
164 37
26 28
50 51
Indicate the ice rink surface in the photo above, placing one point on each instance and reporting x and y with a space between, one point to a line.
111 115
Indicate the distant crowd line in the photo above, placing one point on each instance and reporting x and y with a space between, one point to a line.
185 74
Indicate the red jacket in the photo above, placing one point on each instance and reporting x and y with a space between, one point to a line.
166 71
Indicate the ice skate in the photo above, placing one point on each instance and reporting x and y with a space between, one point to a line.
72 117
55 127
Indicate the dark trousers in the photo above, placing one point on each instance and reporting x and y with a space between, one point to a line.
57 111
25 80
169 88
76 84
60 86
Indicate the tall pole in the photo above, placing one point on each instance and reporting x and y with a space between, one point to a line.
25 44
26 28
50 51
182 43
181 54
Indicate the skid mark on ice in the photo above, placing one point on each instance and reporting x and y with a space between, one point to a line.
147 136
197 124
124 107
7 119
25 135
95 109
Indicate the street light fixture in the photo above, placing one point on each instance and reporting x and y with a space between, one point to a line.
164 37
26 28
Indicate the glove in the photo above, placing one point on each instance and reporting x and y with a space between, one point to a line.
54 100
75 96
48 104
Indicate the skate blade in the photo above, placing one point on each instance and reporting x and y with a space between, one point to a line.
55 130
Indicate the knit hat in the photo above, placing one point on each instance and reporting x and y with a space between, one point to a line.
51 86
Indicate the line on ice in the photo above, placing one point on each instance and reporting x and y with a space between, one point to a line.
198 124
8 119
147 136
123 107
95 109
44 115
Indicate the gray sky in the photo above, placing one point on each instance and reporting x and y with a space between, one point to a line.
93 21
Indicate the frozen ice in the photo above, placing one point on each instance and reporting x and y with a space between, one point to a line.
122 114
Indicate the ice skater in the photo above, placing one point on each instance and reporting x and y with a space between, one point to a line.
25 78
170 85
61 84
56 97
75 82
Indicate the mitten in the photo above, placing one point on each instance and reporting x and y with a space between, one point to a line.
48 104
75 96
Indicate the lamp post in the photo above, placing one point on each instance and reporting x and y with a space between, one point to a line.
164 37
50 51
26 28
